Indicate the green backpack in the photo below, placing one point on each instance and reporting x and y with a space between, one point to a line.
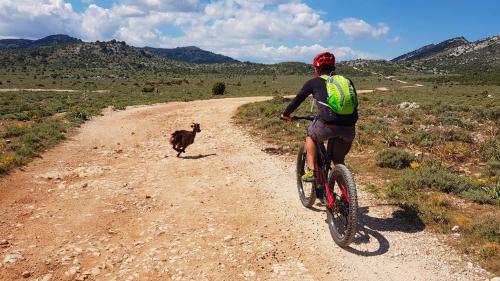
342 97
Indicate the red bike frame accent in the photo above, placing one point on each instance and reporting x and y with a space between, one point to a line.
344 192
331 201
329 196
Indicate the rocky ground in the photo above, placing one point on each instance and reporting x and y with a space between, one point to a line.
114 203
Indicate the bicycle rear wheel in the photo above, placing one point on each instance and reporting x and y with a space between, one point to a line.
342 218
307 190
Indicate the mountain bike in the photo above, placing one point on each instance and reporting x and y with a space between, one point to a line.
336 187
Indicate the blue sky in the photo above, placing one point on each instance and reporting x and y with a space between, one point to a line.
258 30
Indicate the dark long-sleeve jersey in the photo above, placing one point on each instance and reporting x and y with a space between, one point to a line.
317 87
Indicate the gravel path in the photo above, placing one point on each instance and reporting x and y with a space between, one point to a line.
114 203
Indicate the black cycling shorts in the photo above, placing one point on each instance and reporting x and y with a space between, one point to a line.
341 136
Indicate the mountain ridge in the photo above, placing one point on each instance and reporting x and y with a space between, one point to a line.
191 54
432 49
51 40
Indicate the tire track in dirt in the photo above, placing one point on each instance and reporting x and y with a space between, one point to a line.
114 203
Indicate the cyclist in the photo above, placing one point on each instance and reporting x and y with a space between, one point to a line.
330 125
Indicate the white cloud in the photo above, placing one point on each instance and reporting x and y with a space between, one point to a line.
166 5
359 28
258 30
25 18
269 54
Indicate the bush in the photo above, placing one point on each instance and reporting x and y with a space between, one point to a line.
394 158
218 88
493 168
430 138
454 120
148 89
490 149
436 178
426 138
484 195
487 227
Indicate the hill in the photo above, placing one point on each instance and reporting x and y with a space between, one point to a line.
117 58
190 54
456 55
432 49
52 40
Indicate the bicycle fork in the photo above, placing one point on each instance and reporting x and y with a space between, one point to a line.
329 196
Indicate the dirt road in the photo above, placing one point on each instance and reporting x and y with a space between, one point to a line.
114 203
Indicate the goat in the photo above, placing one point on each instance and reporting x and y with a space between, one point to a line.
182 139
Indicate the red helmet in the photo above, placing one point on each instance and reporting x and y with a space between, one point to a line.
322 59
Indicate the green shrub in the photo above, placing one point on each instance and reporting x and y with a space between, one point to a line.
394 158
487 227
148 89
431 138
490 149
492 113
488 194
492 168
426 138
454 120
436 178
457 135
218 88
373 127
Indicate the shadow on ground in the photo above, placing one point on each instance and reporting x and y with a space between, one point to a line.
199 156
369 229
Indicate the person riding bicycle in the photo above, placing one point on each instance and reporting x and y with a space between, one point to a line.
338 126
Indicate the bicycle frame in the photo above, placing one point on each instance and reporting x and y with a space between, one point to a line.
324 161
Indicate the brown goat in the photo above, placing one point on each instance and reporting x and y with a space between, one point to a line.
182 139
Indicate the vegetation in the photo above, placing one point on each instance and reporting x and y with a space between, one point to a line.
218 88
394 158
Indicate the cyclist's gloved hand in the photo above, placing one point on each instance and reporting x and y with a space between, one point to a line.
286 118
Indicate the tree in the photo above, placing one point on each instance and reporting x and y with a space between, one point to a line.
218 88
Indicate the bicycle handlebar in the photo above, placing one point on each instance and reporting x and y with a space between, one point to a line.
295 118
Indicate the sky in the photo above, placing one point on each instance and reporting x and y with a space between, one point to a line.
266 31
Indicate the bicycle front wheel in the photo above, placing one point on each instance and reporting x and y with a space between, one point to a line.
342 218
307 190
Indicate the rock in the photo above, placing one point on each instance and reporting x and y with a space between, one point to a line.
408 105
46 277
4 244
85 185
248 273
228 238
12 258
72 271
495 278
95 271
455 228
26 274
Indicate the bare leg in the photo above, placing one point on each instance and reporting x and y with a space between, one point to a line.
311 152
